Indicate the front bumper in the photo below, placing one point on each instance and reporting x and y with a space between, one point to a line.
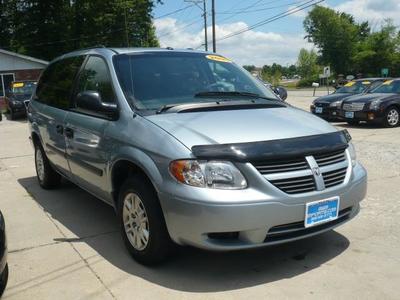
372 116
250 224
328 112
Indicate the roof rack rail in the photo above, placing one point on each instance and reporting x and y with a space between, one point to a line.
169 48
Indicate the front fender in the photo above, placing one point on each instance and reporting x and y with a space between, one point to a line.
140 159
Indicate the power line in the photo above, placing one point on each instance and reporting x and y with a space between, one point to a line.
173 12
271 19
261 9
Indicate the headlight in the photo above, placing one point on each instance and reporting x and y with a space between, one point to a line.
336 103
374 105
16 103
352 152
210 174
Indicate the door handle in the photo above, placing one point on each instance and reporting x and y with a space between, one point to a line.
59 129
69 133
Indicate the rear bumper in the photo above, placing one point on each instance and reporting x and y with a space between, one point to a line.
251 225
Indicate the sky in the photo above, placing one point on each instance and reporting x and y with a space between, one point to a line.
279 41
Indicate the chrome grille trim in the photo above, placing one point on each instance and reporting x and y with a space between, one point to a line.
281 166
353 106
295 176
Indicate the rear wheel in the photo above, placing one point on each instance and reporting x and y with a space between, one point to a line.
392 117
142 222
48 178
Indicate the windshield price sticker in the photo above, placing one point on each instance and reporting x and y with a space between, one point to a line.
366 82
18 84
217 58
387 82
351 83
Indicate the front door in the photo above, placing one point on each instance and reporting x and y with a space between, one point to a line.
87 147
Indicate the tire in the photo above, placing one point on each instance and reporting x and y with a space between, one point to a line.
147 242
12 115
3 280
392 117
48 178
353 123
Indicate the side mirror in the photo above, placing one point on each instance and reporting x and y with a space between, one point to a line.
281 92
90 101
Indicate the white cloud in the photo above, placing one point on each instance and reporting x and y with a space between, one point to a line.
251 47
371 10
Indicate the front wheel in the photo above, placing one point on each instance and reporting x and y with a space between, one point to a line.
48 178
392 118
142 222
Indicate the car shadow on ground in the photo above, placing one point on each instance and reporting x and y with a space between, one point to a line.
93 222
360 126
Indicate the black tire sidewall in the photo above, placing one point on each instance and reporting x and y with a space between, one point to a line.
3 280
158 245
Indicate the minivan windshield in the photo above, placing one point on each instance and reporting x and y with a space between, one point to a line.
388 87
153 80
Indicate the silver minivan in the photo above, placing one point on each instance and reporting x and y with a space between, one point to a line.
190 149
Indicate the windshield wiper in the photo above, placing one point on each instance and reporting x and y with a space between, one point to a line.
237 94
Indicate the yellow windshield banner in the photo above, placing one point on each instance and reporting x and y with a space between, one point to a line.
351 83
18 84
366 82
387 82
217 58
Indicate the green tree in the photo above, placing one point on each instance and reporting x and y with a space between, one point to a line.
48 28
379 50
307 65
336 35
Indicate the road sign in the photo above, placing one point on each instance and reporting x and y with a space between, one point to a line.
385 72
327 71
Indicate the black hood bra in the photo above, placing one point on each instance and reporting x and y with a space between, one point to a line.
275 149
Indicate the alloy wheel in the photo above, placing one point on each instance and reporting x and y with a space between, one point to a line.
135 220
393 117
39 164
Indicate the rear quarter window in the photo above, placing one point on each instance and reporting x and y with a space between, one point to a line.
56 83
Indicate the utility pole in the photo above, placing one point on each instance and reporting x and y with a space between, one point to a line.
213 26
204 9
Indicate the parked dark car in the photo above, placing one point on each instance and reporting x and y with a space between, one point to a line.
18 97
380 105
327 106
3 256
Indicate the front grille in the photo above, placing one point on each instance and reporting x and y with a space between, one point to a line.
295 185
297 229
353 106
280 166
330 158
322 104
335 177
294 175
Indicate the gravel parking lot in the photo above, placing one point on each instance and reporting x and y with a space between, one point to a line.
64 244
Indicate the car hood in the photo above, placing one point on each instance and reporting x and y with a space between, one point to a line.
366 98
332 98
240 126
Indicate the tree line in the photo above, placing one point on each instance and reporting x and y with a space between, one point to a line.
48 28
348 47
